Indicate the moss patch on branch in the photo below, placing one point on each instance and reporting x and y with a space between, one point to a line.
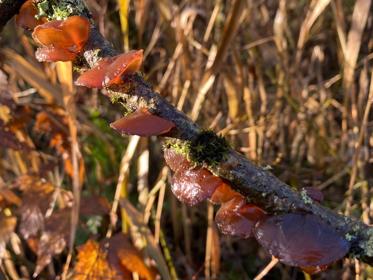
60 9
206 149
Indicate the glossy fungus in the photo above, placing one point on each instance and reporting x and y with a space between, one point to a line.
109 71
301 240
314 269
61 40
237 218
194 185
175 160
224 193
95 77
142 123
123 64
27 16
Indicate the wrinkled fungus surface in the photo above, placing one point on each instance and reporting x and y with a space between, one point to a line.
26 17
126 63
236 218
109 71
61 39
314 269
224 193
175 160
94 77
192 186
301 240
142 123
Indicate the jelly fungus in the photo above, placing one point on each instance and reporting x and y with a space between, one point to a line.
237 218
302 240
142 123
194 185
314 269
61 40
224 193
314 194
175 160
126 63
109 71
27 16
94 77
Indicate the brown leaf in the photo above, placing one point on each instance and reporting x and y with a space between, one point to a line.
54 238
92 264
36 197
123 256
94 205
9 140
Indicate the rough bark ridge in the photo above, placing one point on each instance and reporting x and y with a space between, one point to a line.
256 184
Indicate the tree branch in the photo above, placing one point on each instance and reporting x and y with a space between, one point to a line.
255 183
8 8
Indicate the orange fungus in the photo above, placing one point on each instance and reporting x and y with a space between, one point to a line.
27 16
61 40
94 77
238 218
142 123
224 193
110 71
194 185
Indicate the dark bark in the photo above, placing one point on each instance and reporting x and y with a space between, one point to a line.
8 8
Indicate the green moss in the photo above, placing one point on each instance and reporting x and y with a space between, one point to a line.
206 149
60 9
305 197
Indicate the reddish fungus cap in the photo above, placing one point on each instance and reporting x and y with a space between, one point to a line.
58 37
142 123
192 186
126 63
238 218
109 71
314 269
95 77
26 17
175 160
302 240
224 193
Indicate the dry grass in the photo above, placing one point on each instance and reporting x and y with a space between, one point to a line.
289 83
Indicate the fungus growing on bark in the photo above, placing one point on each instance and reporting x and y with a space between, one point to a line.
302 240
142 123
95 77
191 185
61 40
27 16
224 193
194 185
237 218
314 269
175 160
109 71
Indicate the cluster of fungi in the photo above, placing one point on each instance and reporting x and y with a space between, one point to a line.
296 239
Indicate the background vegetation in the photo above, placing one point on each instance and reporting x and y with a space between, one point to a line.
286 82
